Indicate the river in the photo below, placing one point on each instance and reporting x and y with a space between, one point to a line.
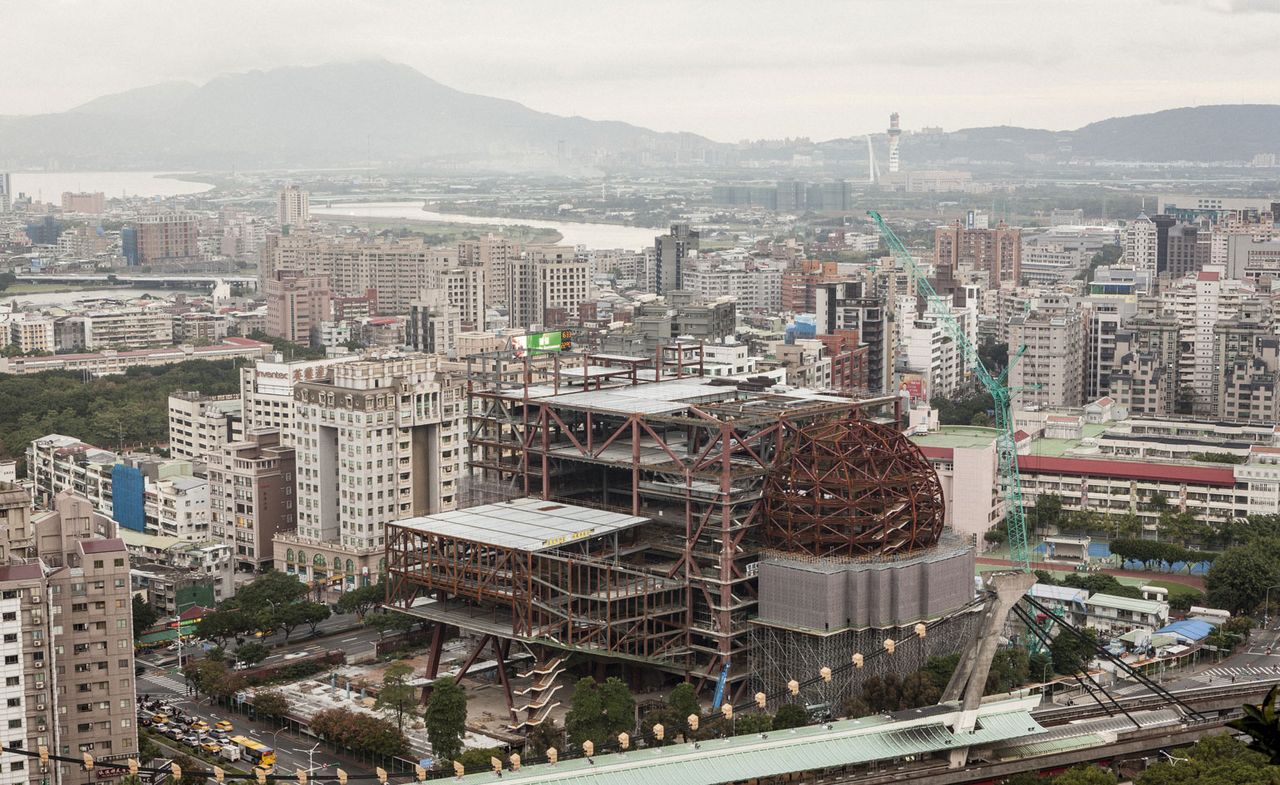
594 236
48 186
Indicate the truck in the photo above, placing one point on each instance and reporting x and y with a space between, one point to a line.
229 752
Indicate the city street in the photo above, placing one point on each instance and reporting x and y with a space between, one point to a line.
162 679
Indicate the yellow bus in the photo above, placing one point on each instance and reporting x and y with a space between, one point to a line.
260 754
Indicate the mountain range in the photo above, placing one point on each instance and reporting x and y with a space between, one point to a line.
338 114
345 114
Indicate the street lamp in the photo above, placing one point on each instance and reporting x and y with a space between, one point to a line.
1266 607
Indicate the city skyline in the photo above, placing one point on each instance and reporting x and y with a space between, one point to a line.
834 71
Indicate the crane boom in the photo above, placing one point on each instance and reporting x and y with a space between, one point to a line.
1001 397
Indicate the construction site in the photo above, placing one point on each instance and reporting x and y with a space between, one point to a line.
630 515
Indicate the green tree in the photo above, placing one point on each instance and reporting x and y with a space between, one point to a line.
221 626
190 766
1239 577
144 615
478 758
540 738
396 694
683 700
362 600
747 724
599 712
1214 760
1070 653
790 715
1085 775
446 718
386 621
252 653
1046 513
270 703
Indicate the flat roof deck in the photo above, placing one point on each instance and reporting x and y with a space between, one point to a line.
525 524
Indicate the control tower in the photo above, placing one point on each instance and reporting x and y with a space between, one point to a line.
895 133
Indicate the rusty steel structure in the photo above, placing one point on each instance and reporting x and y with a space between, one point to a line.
849 488
647 437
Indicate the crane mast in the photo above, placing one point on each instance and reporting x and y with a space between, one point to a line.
1001 397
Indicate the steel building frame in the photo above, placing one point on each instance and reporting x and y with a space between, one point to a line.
695 467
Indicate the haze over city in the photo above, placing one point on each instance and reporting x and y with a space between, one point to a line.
715 393
725 70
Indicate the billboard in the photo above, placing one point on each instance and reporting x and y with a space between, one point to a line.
554 341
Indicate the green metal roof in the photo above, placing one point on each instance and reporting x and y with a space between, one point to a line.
957 436
1049 746
844 743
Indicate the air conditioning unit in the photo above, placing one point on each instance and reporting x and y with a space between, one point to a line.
37 642
40 707
39 663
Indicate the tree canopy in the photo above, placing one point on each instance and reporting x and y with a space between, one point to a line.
121 410
359 732
396 694
446 719
1214 760
599 712
1239 578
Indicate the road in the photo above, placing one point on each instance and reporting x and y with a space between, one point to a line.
162 679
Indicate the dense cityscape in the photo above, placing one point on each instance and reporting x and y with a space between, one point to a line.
468 441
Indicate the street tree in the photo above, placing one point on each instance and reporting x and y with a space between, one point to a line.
1239 577
362 600
145 615
270 703
396 694
446 718
252 653
790 715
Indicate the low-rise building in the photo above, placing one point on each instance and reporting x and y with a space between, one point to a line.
1113 616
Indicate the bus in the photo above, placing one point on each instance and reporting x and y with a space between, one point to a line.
260 754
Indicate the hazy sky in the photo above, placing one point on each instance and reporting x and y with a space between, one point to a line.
729 70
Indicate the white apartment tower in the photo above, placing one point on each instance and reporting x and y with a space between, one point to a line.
379 441
1140 244
293 206
1052 371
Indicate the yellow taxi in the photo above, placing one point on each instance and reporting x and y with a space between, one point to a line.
211 747
199 726
224 726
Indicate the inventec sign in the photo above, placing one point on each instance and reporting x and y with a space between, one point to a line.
568 537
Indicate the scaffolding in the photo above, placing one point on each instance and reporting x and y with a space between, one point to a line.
653 438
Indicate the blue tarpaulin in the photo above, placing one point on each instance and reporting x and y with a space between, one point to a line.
1187 630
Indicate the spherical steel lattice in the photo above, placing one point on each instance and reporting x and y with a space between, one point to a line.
851 488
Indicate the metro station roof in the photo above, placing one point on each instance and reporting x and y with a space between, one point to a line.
742 758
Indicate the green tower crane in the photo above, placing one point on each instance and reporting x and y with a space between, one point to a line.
1001 396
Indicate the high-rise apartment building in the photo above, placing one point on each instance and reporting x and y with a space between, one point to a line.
996 252
434 324
66 615
30 334
1051 371
492 254
379 441
201 425
89 203
396 268
1248 357
296 304
251 497
293 206
844 307
1201 302
671 251
464 289
6 192
1140 244
546 278
167 238
1186 250
1144 376
1104 319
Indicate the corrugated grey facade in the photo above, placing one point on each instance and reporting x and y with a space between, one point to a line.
824 595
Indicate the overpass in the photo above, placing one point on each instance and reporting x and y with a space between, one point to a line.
161 281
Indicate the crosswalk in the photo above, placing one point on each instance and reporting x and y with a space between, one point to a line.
155 683
1240 673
